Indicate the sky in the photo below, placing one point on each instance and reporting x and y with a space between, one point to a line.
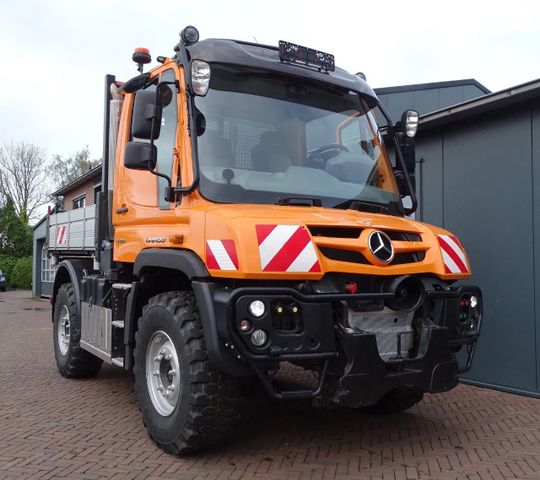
57 52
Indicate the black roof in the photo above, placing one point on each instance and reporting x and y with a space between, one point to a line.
267 57
484 104
95 172
429 86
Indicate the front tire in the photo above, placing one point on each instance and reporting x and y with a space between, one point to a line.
71 359
187 403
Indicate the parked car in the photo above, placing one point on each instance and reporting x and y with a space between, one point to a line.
3 282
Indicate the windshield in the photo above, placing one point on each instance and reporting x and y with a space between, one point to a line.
263 138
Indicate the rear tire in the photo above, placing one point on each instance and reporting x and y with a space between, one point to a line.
71 359
204 403
395 401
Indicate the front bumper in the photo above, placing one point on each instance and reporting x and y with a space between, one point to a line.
347 360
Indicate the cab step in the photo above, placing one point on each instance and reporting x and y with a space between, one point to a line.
119 361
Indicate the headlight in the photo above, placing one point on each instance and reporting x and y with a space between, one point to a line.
200 77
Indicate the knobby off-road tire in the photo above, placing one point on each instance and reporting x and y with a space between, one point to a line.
205 402
71 359
395 401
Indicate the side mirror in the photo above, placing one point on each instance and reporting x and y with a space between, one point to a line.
148 110
140 156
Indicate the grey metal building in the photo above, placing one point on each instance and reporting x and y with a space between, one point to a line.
428 97
478 175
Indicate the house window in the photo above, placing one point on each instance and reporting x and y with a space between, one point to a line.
97 189
79 202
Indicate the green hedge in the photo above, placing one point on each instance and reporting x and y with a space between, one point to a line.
18 271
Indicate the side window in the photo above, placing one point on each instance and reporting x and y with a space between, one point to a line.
166 141
357 135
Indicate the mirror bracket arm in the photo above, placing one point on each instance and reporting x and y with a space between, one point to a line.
394 131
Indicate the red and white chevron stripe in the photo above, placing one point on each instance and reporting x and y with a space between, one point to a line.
453 254
61 236
221 255
286 248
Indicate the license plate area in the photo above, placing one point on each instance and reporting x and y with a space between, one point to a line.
393 331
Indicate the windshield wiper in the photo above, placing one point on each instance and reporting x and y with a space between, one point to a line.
300 201
370 207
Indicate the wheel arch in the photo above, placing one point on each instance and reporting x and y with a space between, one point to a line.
155 271
182 269
70 271
185 261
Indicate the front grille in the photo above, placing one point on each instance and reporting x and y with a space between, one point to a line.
344 255
403 236
408 257
353 256
335 232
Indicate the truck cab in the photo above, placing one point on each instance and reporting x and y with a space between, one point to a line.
252 216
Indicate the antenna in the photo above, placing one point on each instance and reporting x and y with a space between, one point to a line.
256 41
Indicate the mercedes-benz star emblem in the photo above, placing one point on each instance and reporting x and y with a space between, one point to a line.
381 246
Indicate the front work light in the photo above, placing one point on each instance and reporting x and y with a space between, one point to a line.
189 35
200 77
409 121
257 308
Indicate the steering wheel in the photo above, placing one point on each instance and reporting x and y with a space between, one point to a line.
321 155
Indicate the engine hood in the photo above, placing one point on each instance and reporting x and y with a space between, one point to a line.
289 242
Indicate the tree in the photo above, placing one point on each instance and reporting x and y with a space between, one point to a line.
15 235
68 169
22 177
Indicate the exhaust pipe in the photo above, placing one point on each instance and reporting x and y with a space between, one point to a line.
409 293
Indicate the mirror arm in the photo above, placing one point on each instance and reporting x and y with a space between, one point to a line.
183 59
169 192
394 131
410 188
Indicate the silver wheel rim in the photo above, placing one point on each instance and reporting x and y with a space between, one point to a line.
64 330
162 373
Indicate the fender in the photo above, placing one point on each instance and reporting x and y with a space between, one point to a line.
185 261
192 266
69 271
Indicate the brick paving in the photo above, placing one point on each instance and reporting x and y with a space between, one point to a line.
51 427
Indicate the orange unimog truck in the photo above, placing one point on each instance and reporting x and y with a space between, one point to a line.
250 217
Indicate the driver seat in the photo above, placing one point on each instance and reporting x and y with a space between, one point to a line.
270 155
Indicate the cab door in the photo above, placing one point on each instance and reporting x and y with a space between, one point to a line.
141 215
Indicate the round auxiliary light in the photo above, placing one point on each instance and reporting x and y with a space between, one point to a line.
257 308
189 35
245 326
474 301
200 77
258 338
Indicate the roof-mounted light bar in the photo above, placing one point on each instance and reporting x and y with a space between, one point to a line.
292 53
